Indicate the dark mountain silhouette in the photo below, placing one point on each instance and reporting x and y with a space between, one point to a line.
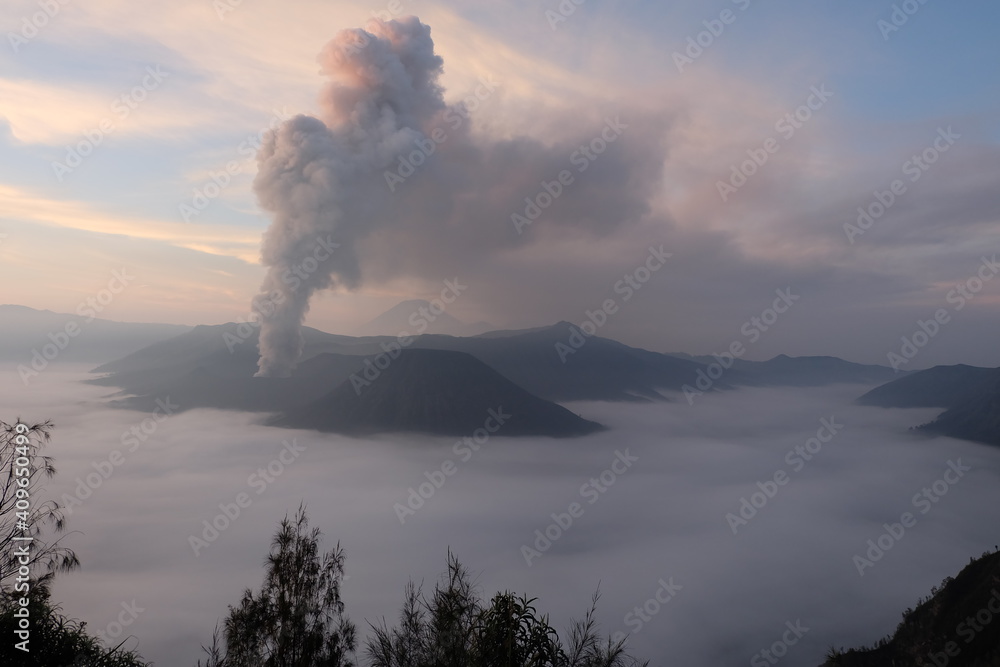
556 363
787 371
215 384
601 369
213 367
970 394
938 387
958 626
976 419
228 348
441 392
560 365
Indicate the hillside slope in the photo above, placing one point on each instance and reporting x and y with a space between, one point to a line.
976 419
938 387
958 626
971 396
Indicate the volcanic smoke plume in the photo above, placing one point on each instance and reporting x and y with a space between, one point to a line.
321 178
326 181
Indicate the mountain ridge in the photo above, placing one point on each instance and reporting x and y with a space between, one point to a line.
214 366
968 395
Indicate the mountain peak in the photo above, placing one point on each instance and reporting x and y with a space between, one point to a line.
419 316
441 392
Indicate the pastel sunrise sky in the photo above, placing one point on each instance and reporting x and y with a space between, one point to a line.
165 96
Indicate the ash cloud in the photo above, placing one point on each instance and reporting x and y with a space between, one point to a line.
337 177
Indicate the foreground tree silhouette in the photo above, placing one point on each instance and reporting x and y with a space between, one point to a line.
297 619
45 559
455 629
55 639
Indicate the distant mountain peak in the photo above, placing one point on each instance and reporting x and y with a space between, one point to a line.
419 316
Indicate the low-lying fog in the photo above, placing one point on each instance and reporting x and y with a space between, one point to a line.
664 517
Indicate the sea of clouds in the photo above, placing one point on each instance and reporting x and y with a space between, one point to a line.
660 523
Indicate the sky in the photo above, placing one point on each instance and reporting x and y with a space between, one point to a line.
165 98
662 514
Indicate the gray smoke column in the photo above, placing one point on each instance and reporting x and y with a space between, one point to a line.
321 178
